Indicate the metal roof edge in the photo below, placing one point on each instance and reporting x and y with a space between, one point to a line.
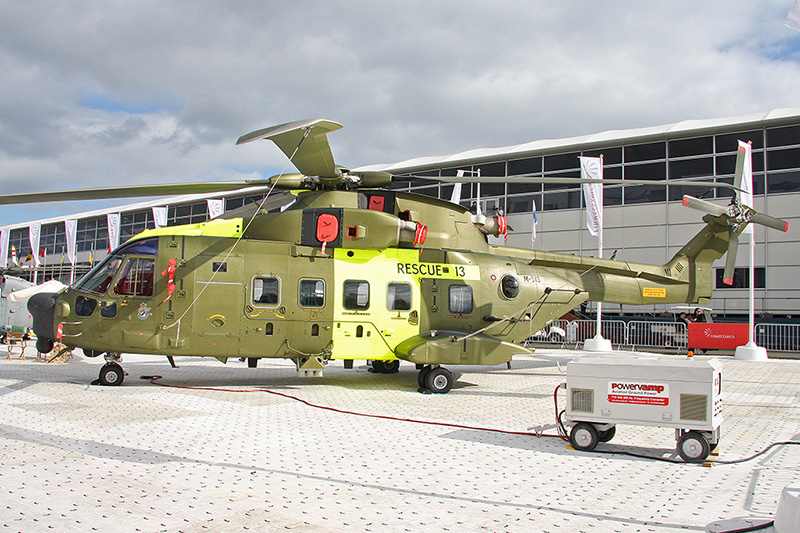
677 129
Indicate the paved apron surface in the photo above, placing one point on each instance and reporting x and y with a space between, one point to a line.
143 457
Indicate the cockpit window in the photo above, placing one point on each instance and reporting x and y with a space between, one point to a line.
145 247
137 277
98 280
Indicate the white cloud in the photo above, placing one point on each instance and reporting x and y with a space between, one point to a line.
155 92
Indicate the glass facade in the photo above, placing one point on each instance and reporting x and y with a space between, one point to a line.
92 237
776 170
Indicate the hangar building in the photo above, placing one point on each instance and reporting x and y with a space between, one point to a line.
642 223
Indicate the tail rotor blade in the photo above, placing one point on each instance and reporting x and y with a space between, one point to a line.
730 260
704 206
770 222
737 176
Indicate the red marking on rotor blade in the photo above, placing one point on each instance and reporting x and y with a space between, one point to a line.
727 281
685 201
786 227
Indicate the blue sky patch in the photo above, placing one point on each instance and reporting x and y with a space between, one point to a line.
106 103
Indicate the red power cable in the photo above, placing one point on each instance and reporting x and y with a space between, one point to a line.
155 380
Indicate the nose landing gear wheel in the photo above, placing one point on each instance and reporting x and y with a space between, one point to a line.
111 374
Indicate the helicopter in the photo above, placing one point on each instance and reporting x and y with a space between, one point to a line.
351 270
14 317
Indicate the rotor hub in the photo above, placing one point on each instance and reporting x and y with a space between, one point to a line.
738 215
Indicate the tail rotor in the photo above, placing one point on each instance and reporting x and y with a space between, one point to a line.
736 216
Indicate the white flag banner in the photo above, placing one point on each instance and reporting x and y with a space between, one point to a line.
160 217
455 196
215 208
4 235
793 20
746 196
71 228
592 168
34 233
535 220
113 231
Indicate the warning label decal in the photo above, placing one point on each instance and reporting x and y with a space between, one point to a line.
654 292
637 392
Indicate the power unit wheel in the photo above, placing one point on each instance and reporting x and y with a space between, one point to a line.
111 374
607 435
422 377
583 437
439 380
693 447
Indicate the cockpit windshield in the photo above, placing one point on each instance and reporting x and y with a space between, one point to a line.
99 278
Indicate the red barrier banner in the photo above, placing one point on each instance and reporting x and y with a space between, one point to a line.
717 336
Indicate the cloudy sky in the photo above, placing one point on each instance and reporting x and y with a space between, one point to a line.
118 92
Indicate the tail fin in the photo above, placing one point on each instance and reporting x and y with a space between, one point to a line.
694 262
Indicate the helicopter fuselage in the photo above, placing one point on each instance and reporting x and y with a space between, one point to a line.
366 274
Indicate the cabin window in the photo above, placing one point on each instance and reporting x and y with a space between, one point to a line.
356 294
510 286
399 297
136 278
267 291
460 299
312 293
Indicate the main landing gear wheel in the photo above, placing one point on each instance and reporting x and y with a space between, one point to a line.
584 437
111 374
693 447
422 377
385 367
439 380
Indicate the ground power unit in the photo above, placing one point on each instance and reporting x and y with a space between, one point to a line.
678 393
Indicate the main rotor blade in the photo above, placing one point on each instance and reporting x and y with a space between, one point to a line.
569 181
703 205
770 222
730 260
103 193
304 142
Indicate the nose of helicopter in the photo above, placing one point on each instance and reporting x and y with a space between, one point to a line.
41 306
